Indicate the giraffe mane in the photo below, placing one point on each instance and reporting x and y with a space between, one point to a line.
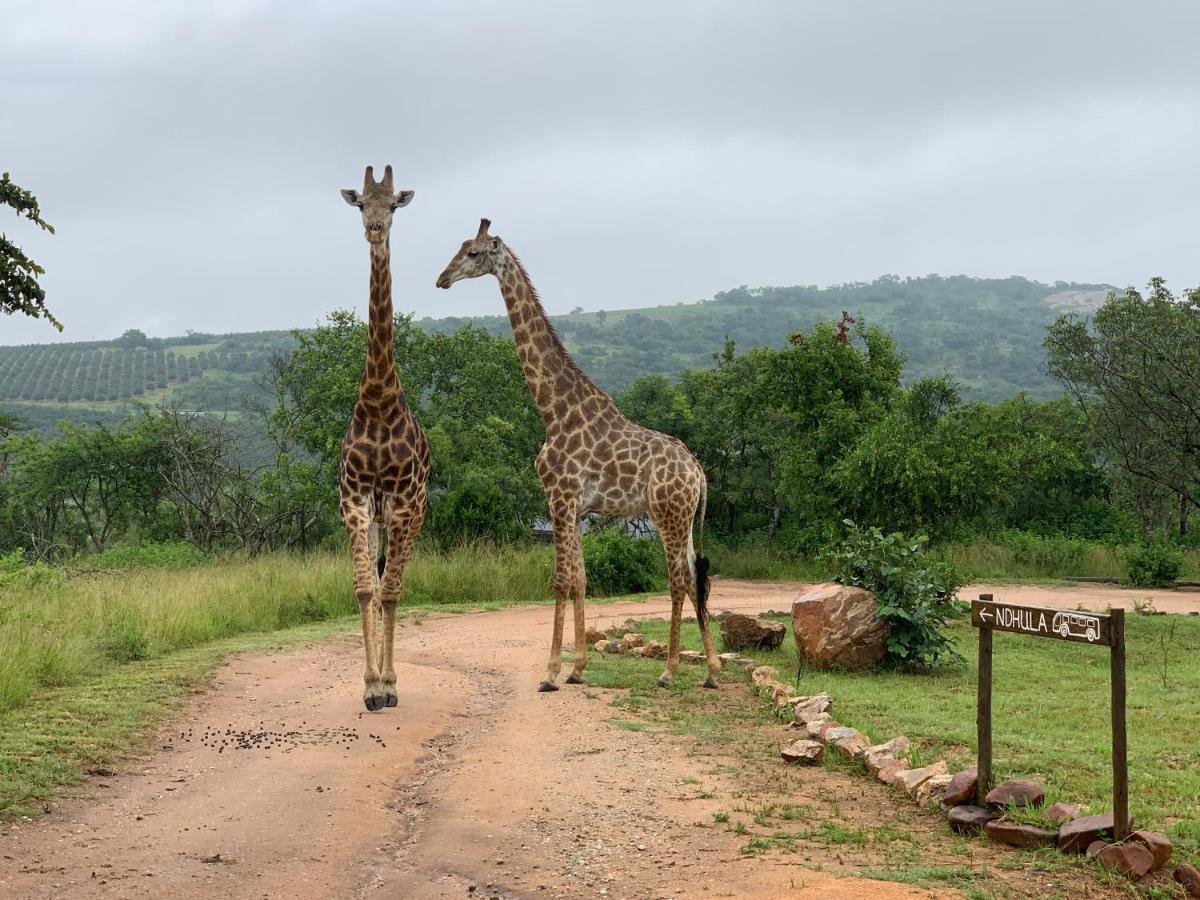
572 366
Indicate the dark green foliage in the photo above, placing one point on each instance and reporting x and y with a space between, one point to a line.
618 563
20 291
475 510
916 595
1156 564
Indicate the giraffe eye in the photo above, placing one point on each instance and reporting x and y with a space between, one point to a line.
472 253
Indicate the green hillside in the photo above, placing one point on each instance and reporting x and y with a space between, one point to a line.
986 332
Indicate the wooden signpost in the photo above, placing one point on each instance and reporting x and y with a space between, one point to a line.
1101 629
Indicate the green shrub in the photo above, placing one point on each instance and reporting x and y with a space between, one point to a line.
168 555
618 563
916 595
123 637
473 511
1153 565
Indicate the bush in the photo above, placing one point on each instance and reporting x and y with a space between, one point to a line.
618 563
1153 565
169 555
476 510
916 596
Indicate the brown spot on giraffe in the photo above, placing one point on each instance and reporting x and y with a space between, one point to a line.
594 460
384 460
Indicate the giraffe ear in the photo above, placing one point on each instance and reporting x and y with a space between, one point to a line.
350 196
495 243
403 198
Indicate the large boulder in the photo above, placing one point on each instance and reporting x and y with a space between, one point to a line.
740 632
837 625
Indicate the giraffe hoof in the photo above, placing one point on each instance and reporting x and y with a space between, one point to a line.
663 682
373 702
575 679
709 682
547 686
391 699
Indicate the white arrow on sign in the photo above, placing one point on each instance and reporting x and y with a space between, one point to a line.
984 614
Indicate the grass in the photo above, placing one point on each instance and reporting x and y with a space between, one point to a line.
1031 559
58 630
1050 713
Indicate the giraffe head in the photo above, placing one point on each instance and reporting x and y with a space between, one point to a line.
377 202
480 255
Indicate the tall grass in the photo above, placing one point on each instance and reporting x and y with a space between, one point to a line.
58 630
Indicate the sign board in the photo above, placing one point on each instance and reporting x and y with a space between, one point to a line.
1063 624
1079 626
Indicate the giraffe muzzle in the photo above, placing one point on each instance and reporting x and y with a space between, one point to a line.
444 280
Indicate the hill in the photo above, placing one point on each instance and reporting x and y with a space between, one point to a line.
986 332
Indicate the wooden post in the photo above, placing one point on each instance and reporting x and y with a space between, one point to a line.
983 716
1120 760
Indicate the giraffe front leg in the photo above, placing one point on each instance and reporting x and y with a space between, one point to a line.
566 538
358 524
578 590
401 535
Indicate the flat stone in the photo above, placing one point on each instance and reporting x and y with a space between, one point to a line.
968 819
878 755
613 646
1017 792
930 793
851 746
1018 834
1133 860
1060 813
823 731
1187 875
885 774
961 789
1158 844
593 634
763 674
655 650
601 645
1095 847
691 656
739 632
1074 836
908 780
810 707
631 640
807 753
813 727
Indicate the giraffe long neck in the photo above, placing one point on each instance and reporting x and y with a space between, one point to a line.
549 370
380 382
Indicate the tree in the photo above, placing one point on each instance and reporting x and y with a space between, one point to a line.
1134 369
20 291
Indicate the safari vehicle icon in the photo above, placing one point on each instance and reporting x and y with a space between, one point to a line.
1073 624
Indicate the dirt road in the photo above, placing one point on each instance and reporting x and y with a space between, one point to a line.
275 783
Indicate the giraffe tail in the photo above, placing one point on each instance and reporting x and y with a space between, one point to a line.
701 563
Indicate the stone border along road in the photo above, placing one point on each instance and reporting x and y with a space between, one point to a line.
274 783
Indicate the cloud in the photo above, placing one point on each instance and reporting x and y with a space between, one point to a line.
190 154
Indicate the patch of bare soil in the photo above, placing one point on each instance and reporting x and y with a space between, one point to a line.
275 782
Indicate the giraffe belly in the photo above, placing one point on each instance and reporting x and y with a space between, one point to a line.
596 498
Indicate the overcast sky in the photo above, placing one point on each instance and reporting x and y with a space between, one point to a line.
190 153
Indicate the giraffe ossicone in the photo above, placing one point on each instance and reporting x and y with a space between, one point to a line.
384 458
595 460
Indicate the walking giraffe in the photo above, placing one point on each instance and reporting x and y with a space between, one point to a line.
595 460
385 459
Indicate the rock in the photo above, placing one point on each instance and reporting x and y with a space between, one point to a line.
601 645
850 742
691 656
806 753
638 651
740 632
655 650
723 615
967 819
593 634
612 646
886 772
908 780
730 658
1186 875
763 674
962 788
823 731
1062 812
880 755
836 625
1017 834
1159 845
631 640
811 707
1017 792
814 725
1095 847
930 793
1074 836
1130 859
615 632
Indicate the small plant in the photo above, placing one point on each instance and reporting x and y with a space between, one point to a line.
721 817
1153 565
916 595
618 563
